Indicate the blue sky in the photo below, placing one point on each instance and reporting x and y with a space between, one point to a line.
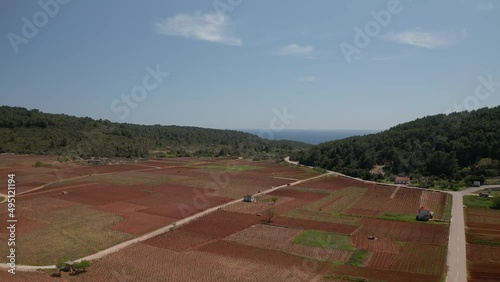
231 62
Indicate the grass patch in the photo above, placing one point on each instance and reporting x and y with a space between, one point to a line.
72 233
398 217
477 202
1 199
325 240
485 242
358 257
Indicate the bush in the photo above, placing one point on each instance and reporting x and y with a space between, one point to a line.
496 202
82 265
38 164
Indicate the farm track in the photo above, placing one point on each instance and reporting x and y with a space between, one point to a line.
152 234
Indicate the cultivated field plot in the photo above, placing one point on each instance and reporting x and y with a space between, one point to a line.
280 239
483 239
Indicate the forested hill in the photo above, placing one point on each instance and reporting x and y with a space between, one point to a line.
25 131
453 147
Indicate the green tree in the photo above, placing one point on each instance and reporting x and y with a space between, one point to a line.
274 200
270 213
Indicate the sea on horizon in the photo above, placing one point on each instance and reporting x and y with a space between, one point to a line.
313 137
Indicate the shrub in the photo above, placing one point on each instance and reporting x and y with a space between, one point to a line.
496 201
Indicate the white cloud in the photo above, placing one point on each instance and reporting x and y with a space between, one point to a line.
207 27
485 6
295 50
308 78
429 40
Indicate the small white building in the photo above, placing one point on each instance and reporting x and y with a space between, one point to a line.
402 180
249 199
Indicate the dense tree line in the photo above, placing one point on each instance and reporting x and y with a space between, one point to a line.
456 147
25 131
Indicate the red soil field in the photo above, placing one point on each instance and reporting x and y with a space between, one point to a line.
373 202
421 258
102 194
57 190
31 185
406 200
279 171
404 231
99 169
302 195
121 207
381 260
377 201
179 240
495 227
139 223
360 241
288 206
385 275
221 224
473 234
483 271
280 239
25 276
484 253
171 210
483 260
275 258
477 217
316 225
